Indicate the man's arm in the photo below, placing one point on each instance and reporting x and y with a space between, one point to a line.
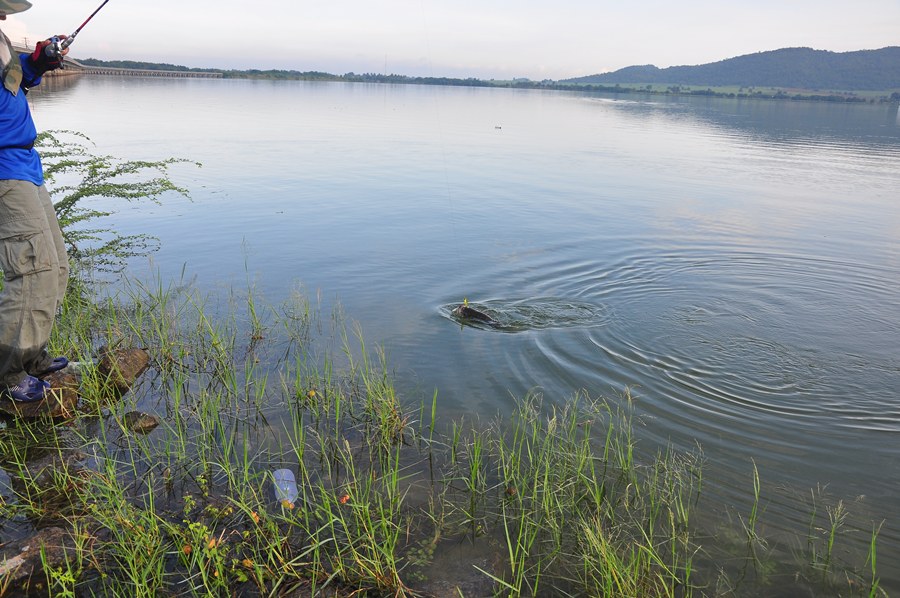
46 57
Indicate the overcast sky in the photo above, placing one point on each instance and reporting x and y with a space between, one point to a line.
465 38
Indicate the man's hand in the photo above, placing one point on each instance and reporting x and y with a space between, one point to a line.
47 56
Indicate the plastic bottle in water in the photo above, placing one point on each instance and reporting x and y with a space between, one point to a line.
285 485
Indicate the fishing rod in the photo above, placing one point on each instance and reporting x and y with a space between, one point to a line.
57 46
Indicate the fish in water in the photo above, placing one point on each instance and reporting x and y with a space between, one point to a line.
467 312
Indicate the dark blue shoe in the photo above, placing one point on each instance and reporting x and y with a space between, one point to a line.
29 390
55 365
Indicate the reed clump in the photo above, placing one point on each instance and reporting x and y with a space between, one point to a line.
553 498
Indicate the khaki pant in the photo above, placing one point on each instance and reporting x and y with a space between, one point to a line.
35 273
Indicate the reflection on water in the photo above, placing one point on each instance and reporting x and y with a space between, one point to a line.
797 124
736 263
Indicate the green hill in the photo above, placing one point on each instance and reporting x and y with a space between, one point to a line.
799 68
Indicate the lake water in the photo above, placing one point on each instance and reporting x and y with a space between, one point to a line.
735 263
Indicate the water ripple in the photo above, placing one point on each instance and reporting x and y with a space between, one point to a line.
722 339
532 314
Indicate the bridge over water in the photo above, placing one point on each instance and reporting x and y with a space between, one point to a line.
104 70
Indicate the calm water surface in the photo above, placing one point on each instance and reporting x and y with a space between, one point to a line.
735 263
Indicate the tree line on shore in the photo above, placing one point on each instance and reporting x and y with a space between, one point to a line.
647 79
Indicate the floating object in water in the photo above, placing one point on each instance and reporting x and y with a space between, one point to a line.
467 312
285 485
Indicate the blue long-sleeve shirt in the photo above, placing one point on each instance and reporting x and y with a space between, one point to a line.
17 130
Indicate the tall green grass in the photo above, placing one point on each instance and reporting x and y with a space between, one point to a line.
555 493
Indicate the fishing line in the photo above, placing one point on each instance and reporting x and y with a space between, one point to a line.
58 45
443 149
68 41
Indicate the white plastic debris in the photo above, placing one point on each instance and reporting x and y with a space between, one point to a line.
285 485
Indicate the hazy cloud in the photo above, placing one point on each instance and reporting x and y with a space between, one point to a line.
487 39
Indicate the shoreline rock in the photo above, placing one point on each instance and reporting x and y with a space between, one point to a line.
21 561
118 369
61 402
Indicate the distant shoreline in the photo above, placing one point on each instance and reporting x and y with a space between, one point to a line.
728 92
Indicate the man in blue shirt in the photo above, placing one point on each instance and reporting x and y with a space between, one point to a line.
32 252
